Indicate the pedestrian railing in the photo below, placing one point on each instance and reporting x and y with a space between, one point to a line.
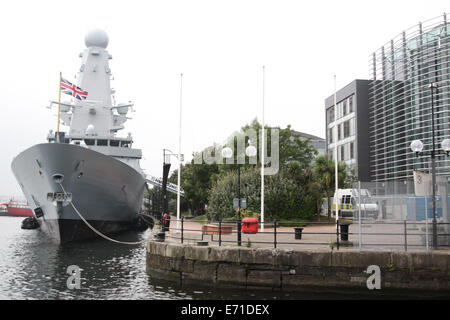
392 235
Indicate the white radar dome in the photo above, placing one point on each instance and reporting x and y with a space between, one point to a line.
96 38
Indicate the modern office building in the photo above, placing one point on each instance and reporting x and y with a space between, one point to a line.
400 107
378 118
352 127
317 142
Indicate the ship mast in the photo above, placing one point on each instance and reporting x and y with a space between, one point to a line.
95 116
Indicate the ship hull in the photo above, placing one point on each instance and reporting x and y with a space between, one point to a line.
105 191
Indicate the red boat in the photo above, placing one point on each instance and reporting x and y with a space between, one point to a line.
17 209
3 210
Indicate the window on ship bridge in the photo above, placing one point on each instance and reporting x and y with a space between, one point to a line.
102 142
89 142
114 143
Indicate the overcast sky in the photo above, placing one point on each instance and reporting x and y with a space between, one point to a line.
219 46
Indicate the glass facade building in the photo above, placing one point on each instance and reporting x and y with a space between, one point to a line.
400 101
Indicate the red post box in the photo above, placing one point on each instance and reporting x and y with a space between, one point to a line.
250 225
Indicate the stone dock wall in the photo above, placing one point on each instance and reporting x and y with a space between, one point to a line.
291 270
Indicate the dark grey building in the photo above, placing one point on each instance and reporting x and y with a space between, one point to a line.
353 127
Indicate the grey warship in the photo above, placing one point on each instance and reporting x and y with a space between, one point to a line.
89 169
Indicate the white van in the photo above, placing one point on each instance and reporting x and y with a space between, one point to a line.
348 201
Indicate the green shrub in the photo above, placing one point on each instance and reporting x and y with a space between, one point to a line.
284 199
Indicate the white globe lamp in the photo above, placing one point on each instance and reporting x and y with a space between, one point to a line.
227 152
445 144
250 151
416 146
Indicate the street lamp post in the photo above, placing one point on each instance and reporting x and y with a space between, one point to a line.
433 168
239 205
180 157
166 168
227 152
417 147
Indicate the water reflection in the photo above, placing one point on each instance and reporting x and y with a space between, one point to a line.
32 267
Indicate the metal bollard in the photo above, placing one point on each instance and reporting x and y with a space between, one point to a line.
406 236
239 232
337 234
220 233
182 227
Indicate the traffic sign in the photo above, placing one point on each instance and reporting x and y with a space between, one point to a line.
243 203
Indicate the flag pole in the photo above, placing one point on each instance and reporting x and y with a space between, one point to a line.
336 171
179 158
59 107
262 151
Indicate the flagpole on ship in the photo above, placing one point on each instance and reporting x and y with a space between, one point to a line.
59 107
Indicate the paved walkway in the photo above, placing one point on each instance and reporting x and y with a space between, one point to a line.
375 236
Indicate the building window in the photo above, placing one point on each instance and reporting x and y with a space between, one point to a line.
342 153
339 132
344 107
352 150
350 104
347 129
330 115
352 127
330 135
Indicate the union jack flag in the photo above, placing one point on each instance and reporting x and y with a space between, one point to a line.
73 90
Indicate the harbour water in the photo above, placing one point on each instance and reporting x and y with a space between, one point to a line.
32 267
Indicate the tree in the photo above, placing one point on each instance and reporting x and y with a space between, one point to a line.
290 196
286 195
196 181
284 198
324 175
293 149
154 195
314 190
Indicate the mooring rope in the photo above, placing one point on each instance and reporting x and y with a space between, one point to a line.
95 230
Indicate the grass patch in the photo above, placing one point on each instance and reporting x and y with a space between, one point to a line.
201 219
331 221
323 219
291 223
